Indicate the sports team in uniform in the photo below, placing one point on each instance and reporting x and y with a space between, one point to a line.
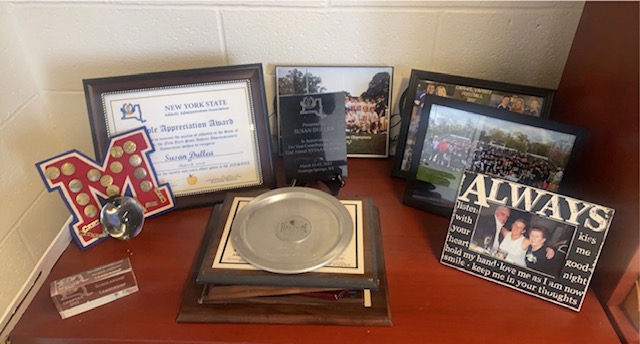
366 115
451 152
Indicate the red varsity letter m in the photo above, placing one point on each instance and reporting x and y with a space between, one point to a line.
82 182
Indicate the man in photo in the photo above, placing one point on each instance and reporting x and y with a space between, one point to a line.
431 88
504 104
533 110
488 232
556 179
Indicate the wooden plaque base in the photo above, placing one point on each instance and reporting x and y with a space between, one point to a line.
288 310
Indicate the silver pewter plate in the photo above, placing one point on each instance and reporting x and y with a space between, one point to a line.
291 230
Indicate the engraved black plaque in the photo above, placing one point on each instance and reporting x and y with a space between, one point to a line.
314 136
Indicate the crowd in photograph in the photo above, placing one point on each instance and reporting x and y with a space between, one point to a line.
366 115
457 153
448 151
510 164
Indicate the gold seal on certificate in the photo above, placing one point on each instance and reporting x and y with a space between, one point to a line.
292 230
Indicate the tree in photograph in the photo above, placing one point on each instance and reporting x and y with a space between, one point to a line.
559 153
378 86
497 136
298 82
539 148
518 141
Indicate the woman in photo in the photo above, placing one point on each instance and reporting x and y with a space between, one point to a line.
537 257
518 105
514 243
441 91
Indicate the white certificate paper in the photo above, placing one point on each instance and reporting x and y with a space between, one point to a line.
351 261
204 135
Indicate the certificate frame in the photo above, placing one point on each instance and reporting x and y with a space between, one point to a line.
478 91
236 116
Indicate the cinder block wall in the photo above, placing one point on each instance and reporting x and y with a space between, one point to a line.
48 47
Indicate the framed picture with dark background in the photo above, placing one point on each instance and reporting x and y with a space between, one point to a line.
519 99
367 97
454 136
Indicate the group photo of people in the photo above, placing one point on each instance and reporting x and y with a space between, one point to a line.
424 88
447 151
523 239
430 88
366 115
508 163
525 105
367 92
522 104
457 140
456 153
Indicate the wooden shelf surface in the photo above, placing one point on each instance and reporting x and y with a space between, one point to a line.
429 302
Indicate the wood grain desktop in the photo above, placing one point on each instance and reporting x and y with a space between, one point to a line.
429 302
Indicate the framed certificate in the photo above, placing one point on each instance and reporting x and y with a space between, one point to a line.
209 127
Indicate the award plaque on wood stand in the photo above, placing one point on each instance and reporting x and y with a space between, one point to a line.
307 298
355 268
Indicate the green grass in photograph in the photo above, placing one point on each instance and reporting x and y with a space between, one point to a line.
437 177
364 143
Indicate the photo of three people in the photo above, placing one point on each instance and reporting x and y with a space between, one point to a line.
523 239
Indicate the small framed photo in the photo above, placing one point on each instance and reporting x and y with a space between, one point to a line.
519 99
208 126
367 101
533 240
455 136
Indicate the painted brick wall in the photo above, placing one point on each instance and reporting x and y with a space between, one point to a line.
48 47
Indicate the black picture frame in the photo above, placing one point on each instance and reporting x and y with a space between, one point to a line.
471 131
365 142
244 87
467 89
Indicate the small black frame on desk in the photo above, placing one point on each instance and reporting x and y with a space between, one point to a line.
454 136
209 127
520 99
